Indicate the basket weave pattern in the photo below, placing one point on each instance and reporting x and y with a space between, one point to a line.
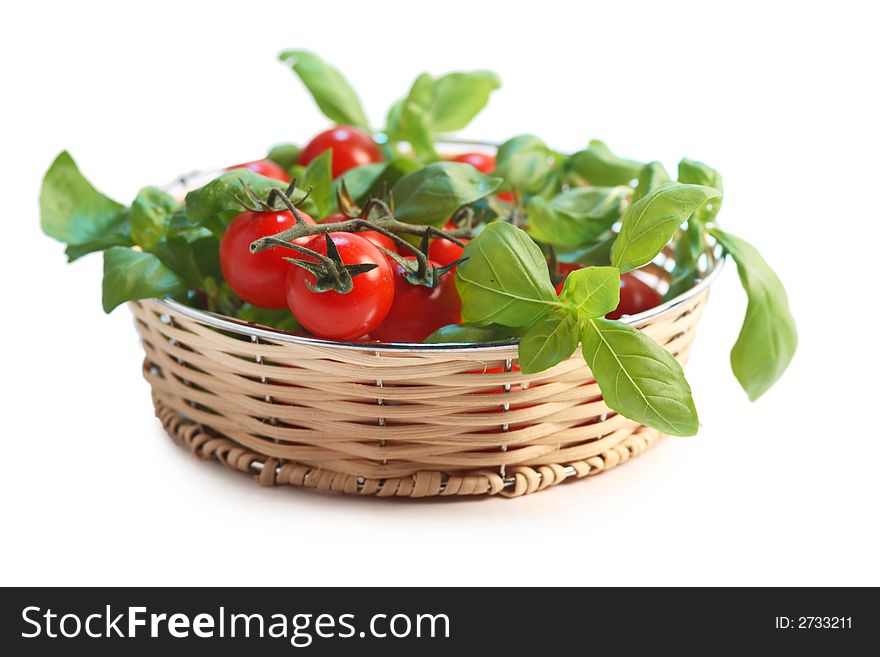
375 421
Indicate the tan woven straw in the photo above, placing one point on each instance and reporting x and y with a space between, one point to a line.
394 420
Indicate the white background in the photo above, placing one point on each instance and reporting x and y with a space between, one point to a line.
780 97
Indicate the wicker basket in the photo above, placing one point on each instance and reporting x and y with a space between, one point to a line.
392 420
410 420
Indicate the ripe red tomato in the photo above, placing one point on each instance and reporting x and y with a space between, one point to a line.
635 297
258 278
418 311
352 147
336 316
482 162
444 252
266 168
373 236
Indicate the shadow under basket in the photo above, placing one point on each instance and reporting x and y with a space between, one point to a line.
393 420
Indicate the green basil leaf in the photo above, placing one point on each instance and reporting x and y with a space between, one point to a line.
130 275
150 216
548 342
206 253
599 166
374 180
409 120
638 378
652 176
318 175
592 291
220 201
697 173
284 155
504 278
360 180
176 253
768 338
281 319
333 94
471 334
576 216
650 222
596 254
116 234
688 249
432 194
74 212
459 97
525 162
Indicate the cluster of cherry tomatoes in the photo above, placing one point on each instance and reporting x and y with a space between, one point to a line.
382 304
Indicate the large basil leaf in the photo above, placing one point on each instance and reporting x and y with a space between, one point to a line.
318 175
360 180
333 94
504 278
150 216
459 97
547 342
768 338
576 216
697 173
599 166
220 201
433 193
525 162
370 180
130 275
591 291
471 334
652 176
638 378
74 212
650 222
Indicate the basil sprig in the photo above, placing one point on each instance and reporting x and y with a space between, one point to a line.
505 280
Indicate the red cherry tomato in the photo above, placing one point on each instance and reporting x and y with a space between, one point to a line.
336 316
266 168
444 252
258 278
373 236
635 297
482 162
352 147
418 311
